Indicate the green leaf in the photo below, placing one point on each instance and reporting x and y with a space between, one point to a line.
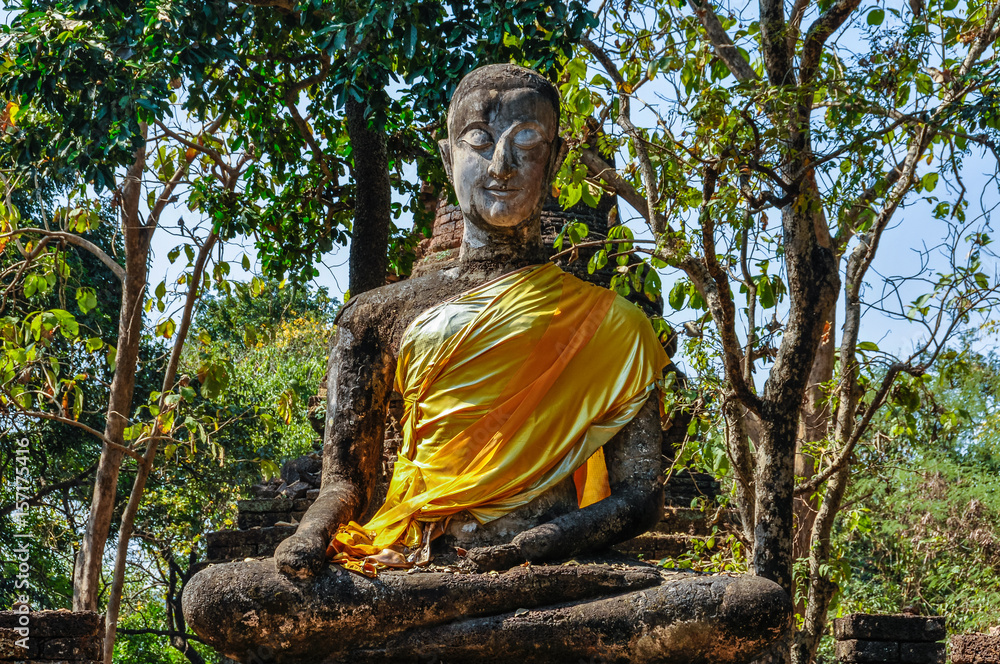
67 323
765 292
929 181
94 344
876 17
86 299
652 285
597 261
166 328
868 345
677 295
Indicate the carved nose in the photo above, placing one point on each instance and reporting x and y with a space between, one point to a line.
502 164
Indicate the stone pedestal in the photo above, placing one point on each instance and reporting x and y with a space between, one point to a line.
975 649
51 637
611 611
875 639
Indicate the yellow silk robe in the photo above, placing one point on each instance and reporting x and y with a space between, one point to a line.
508 389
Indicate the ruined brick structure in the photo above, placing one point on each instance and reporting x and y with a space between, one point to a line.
903 638
975 649
54 637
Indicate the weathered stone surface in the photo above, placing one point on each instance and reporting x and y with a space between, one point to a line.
686 486
240 544
71 648
54 637
975 649
873 652
688 521
10 650
247 520
654 546
922 653
898 627
303 469
649 616
55 623
280 504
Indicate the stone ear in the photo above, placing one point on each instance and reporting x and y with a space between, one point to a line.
444 145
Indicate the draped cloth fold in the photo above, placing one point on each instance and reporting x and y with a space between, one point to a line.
508 389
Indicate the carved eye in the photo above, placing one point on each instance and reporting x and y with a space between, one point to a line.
527 138
477 139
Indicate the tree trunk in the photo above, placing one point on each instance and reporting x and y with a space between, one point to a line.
369 262
814 426
821 588
775 482
87 572
139 486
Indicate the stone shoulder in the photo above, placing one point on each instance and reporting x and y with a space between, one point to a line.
388 310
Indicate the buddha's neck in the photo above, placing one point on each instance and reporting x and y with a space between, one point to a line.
507 247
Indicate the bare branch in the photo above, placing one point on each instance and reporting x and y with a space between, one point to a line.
719 297
77 480
795 23
773 45
625 122
987 35
821 29
601 169
721 43
76 241
80 425
283 5
211 152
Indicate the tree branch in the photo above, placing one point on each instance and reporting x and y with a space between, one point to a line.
76 480
721 43
80 425
625 122
821 29
986 37
76 241
607 173
795 23
162 632
773 44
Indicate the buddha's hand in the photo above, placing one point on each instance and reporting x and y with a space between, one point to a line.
500 557
301 555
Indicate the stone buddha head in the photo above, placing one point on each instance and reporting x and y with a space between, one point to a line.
502 153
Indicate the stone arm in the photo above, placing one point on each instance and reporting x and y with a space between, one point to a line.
635 505
360 372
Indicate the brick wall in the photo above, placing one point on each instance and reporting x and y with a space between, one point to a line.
874 639
975 649
56 637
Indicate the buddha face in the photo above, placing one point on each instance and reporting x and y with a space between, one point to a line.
500 154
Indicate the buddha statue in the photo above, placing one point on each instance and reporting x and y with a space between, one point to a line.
531 444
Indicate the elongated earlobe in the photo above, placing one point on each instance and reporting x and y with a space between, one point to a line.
444 145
